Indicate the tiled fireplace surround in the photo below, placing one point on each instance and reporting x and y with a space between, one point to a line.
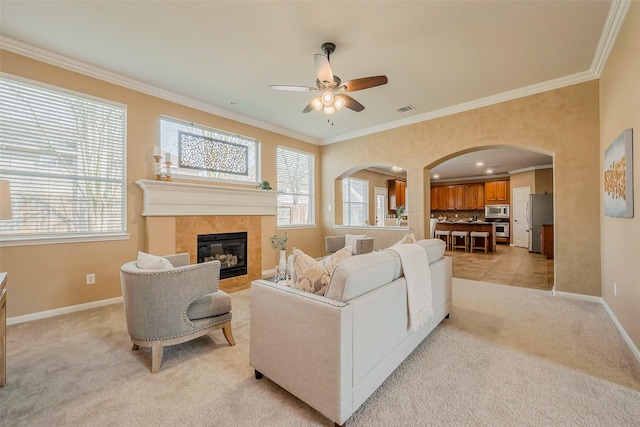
177 212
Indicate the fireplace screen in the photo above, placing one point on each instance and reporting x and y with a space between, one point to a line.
228 248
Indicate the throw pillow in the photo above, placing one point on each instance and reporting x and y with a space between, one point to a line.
352 239
329 263
152 262
310 275
408 238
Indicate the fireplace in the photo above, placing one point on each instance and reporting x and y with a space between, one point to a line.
228 248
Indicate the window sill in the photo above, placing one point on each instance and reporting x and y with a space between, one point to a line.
295 226
54 240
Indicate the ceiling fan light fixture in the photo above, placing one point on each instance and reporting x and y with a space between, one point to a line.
327 98
329 109
339 102
316 103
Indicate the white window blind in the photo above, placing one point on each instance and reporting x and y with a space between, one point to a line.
295 184
205 153
355 201
65 157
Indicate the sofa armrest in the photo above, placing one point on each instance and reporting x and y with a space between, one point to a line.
303 342
333 243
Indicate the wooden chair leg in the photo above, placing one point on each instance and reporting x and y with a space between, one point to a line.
156 356
226 330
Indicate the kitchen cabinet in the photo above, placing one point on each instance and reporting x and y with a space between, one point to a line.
457 197
474 196
496 192
396 189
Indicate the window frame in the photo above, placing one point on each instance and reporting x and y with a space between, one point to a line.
13 239
311 195
177 174
364 203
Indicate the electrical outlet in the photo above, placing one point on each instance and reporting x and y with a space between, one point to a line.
91 279
615 289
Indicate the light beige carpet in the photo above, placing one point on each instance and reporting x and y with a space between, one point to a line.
507 356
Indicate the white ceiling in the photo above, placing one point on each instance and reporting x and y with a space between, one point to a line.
440 56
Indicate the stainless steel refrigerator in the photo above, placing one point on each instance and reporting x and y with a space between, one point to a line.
539 211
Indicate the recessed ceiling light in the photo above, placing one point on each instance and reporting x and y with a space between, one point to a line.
489 170
396 168
479 164
436 176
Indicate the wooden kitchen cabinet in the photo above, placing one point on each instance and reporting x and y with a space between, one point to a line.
457 197
496 192
396 189
474 196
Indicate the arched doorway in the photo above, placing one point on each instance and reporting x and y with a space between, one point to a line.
461 176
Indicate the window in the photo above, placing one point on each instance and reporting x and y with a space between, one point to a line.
355 201
64 155
199 151
295 184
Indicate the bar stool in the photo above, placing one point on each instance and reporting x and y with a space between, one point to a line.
455 235
485 237
447 237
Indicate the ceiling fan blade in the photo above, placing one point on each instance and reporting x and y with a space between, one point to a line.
308 108
323 69
364 83
352 104
293 88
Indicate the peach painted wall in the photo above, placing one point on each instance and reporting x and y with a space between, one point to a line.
47 277
562 122
620 110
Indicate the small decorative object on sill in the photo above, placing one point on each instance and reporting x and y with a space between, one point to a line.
290 266
264 185
160 173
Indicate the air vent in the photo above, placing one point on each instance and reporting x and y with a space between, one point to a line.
405 108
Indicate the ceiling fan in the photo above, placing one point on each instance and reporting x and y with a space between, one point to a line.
333 96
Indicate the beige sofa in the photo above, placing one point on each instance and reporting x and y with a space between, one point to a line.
333 353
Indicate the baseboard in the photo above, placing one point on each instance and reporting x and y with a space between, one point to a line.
580 297
632 346
63 310
625 336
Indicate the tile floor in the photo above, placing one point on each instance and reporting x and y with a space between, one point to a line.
509 265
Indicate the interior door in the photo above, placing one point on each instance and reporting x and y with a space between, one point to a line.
519 215
381 205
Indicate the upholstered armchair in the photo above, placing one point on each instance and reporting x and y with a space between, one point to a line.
360 244
173 305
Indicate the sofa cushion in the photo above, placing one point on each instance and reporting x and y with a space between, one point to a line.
313 276
209 305
309 274
152 262
408 238
330 262
360 274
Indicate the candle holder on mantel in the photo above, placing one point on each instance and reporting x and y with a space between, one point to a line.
163 174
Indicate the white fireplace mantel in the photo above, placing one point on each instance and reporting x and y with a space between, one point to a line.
164 198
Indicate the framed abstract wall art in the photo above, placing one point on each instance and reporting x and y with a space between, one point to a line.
618 176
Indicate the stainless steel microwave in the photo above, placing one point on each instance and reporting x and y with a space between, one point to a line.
496 211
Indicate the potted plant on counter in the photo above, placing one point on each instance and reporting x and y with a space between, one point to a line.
400 212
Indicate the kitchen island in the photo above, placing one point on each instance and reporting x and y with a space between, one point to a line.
471 226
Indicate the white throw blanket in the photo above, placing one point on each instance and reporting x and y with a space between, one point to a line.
415 265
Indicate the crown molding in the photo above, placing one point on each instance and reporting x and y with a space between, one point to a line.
57 60
615 18
530 168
